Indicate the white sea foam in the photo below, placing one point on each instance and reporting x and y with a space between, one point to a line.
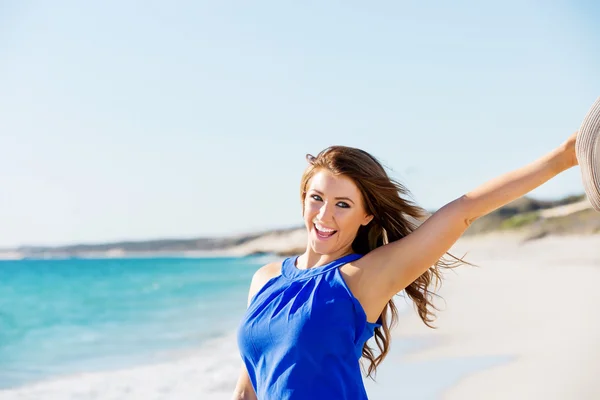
208 373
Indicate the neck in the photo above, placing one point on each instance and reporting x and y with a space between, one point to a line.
311 259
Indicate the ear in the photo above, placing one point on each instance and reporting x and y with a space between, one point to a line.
367 220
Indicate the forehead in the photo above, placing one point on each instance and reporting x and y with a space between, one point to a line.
326 182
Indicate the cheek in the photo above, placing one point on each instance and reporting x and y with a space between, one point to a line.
348 221
310 209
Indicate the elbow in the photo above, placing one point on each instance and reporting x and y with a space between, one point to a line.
469 221
465 210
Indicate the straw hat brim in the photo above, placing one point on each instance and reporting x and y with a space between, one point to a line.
587 150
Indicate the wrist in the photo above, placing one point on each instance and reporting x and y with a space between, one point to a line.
564 157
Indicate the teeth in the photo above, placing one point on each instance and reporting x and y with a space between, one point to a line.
323 229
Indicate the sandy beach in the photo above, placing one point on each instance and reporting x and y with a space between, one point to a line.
523 325
531 307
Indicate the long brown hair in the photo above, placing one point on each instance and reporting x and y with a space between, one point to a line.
394 217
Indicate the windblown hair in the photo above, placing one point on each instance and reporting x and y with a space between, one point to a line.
394 217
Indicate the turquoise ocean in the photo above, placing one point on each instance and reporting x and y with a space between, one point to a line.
60 317
172 320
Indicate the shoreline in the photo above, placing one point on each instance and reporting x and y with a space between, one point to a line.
212 360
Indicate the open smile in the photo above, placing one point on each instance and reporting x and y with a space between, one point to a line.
322 232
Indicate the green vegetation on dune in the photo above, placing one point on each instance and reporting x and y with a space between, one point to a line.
524 213
520 220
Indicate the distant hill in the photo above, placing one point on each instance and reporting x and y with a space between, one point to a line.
529 217
537 218
144 247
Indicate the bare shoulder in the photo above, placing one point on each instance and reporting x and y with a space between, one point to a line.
266 272
357 275
262 276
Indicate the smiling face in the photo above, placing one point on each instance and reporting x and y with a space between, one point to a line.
333 213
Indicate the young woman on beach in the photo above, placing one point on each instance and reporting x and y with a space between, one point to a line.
309 318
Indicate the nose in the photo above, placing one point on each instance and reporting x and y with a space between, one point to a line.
325 213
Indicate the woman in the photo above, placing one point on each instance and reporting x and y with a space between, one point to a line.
309 318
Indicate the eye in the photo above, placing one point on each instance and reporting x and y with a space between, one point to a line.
341 204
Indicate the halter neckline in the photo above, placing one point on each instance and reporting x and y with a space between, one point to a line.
290 271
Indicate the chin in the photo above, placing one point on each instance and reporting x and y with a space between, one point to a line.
322 252
322 248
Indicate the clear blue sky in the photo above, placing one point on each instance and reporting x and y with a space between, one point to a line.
135 120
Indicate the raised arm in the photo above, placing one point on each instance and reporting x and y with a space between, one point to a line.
391 268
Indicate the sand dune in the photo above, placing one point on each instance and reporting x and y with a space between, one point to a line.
567 209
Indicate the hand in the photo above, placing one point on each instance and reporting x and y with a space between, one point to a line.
569 149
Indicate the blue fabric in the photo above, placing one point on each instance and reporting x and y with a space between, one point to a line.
303 333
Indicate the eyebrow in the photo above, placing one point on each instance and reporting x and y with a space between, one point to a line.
336 198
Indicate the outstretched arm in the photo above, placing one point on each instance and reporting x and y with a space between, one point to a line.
510 186
391 268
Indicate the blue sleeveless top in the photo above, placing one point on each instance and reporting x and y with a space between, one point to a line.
303 333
